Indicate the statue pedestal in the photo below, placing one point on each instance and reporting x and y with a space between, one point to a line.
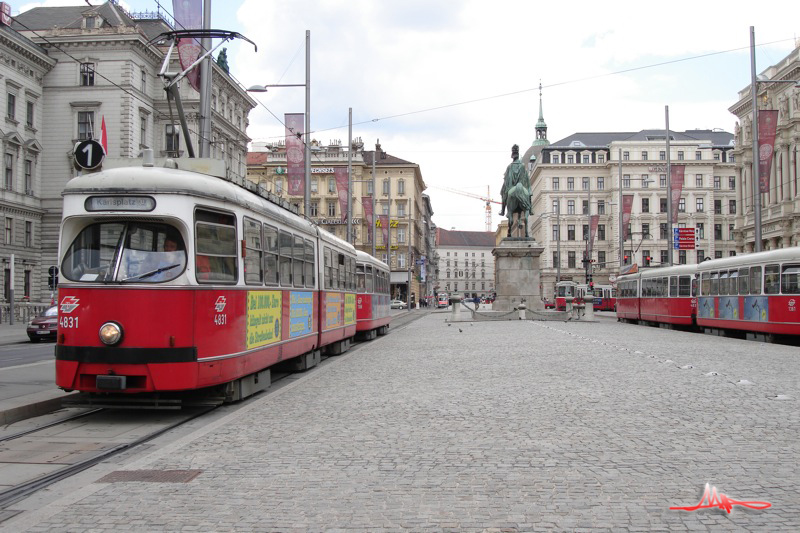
517 274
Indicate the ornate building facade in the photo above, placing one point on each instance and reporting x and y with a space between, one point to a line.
466 262
780 207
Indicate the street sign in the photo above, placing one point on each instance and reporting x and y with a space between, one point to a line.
684 238
89 154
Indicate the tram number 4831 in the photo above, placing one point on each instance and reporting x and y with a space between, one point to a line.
220 320
68 322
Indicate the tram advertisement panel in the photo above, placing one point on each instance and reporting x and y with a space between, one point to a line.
333 310
300 313
729 308
756 308
263 318
706 308
349 309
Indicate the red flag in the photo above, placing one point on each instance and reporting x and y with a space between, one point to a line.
341 188
676 187
594 220
295 153
366 201
767 124
384 220
189 16
627 203
104 135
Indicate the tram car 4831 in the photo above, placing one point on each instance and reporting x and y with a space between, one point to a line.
175 279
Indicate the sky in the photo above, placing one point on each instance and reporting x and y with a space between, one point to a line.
452 84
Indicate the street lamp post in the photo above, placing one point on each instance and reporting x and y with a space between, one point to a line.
307 135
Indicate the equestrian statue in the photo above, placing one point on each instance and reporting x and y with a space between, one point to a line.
516 194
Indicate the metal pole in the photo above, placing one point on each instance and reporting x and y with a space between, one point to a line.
11 292
410 262
754 178
588 254
350 176
558 240
670 238
205 86
374 192
621 240
307 186
389 229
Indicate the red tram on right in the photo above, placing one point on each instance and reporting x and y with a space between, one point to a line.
754 296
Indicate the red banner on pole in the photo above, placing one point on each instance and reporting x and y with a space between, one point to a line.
366 201
676 188
767 124
295 153
627 204
189 16
384 220
104 135
341 189
594 220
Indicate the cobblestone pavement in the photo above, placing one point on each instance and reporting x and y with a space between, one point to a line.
501 426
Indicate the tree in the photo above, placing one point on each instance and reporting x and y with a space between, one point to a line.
222 60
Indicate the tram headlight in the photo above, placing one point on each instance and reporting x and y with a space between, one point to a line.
110 333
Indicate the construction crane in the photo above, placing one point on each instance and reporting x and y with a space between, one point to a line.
486 199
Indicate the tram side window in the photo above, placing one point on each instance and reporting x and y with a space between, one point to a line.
299 257
790 279
310 266
723 283
705 284
684 286
285 246
755 280
772 279
253 265
370 279
733 282
328 269
714 283
664 289
271 272
673 286
361 278
340 261
215 247
744 279
352 274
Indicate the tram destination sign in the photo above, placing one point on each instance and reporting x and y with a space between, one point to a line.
120 203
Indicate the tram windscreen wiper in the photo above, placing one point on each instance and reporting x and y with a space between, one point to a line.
153 272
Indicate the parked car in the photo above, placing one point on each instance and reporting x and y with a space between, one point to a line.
44 326
398 304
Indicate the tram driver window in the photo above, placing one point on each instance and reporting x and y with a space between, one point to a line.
215 247
361 282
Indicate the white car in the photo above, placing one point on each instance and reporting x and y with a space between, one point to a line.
398 304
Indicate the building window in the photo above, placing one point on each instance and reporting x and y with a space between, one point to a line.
386 187
314 207
401 209
570 159
662 205
585 184
331 186
699 205
644 156
11 106
664 257
626 181
570 207
701 254
682 205
662 231
401 260
586 232
314 185
87 74
570 259
172 139
401 235
29 114
555 206
586 159
662 155
646 232
681 257
29 177
555 159
332 209
28 234
701 230
717 232
662 180
571 232
601 207
143 131
143 80
717 207
278 185
385 211
645 205
555 259
698 156
732 183
9 235
601 184
698 180
716 156
570 184
626 156
601 259
601 158
555 232
731 236
680 156
8 182
645 181
732 207
585 208
401 187
716 183
369 188
555 184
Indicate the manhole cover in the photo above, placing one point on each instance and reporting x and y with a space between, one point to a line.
153 476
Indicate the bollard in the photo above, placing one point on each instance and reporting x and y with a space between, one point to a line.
588 310
522 309
456 316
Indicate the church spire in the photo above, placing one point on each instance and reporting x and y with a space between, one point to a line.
541 127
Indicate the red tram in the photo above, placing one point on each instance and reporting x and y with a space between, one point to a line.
372 300
175 279
605 298
568 289
753 295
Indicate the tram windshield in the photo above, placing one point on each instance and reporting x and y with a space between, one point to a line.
125 252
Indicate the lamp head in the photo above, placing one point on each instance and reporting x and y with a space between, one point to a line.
257 89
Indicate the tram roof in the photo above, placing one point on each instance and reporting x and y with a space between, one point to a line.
779 255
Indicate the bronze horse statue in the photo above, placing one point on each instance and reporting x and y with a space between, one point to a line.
516 193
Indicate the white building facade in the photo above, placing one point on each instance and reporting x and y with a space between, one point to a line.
465 262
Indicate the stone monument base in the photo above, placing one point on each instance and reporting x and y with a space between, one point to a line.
517 274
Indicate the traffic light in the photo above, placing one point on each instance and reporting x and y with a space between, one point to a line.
647 260
626 259
52 281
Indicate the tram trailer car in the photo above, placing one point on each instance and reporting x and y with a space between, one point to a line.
662 296
756 295
605 298
568 289
372 299
177 280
